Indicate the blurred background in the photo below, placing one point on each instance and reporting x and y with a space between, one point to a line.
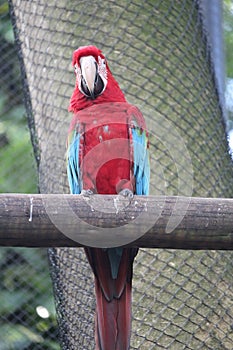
27 313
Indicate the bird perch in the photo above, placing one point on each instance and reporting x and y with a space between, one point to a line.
47 220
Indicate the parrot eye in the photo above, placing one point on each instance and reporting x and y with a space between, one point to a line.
76 68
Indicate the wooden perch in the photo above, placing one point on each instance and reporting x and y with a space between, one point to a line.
37 220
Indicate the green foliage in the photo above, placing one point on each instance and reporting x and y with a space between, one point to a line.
5 25
18 169
25 283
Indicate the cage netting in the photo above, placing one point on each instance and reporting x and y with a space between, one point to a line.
160 54
27 312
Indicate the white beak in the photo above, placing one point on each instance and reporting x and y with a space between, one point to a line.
88 71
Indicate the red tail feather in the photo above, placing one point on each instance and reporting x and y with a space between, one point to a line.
113 320
113 299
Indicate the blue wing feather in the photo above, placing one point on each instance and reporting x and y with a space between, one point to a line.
73 170
141 161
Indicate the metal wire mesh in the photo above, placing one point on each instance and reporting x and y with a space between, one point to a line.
158 52
28 318
27 312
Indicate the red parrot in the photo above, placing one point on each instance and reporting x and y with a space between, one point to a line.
107 154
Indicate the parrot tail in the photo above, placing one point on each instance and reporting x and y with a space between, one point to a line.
113 288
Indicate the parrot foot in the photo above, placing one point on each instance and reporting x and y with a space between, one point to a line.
87 193
123 200
126 193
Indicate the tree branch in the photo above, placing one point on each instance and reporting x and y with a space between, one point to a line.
37 220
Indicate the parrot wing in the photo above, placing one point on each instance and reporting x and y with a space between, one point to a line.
141 160
73 166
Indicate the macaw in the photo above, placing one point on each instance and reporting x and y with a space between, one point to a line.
107 154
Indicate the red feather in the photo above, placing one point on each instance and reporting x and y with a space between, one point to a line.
106 157
113 299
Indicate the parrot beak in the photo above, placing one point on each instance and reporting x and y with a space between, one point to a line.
88 67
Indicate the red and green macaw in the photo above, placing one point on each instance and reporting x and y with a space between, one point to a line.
107 154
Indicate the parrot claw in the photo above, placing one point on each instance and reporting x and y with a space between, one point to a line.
123 199
126 193
87 193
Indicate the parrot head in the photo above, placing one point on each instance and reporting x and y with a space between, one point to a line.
91 71
94 81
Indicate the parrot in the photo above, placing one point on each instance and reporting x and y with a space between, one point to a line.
107 153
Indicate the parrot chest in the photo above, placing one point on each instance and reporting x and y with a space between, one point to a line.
105 157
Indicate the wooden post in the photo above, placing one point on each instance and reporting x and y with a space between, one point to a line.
35 220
